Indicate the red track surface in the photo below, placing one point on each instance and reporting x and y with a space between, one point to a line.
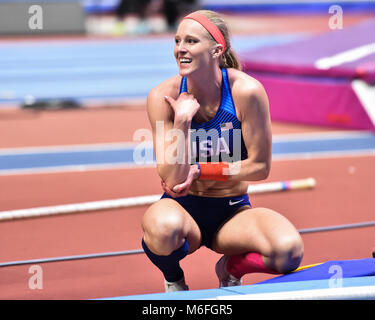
342 195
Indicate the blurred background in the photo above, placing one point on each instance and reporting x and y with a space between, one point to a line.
74 77
86 50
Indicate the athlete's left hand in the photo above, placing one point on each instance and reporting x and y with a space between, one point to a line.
182 189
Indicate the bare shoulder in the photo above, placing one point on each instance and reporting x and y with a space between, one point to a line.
169 87
157 107
247 92
244 85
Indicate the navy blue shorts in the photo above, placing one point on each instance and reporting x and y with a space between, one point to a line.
210 213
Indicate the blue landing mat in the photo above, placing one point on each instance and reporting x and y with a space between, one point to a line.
343 268
354 273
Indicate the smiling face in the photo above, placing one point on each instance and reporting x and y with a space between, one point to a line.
193 47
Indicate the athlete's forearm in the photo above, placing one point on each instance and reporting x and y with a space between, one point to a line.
176 165
249 170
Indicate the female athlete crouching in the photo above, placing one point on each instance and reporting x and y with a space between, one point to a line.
206 202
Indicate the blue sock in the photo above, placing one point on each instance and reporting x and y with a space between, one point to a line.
169 265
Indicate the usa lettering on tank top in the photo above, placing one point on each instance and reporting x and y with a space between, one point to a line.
219 139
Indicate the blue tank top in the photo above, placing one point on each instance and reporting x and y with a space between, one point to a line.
219 139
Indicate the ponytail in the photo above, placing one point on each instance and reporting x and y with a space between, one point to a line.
230 60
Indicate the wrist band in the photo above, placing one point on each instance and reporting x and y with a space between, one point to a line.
199 167
218 171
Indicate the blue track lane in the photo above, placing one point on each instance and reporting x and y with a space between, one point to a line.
109 155
102 70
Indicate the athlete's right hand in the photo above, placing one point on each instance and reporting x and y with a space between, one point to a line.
185 107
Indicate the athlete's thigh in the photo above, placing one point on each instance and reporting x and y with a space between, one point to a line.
168 213
255 229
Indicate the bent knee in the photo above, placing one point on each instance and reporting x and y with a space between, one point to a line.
164 230
162 224
288 254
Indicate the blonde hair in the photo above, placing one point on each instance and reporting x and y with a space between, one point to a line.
229 58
